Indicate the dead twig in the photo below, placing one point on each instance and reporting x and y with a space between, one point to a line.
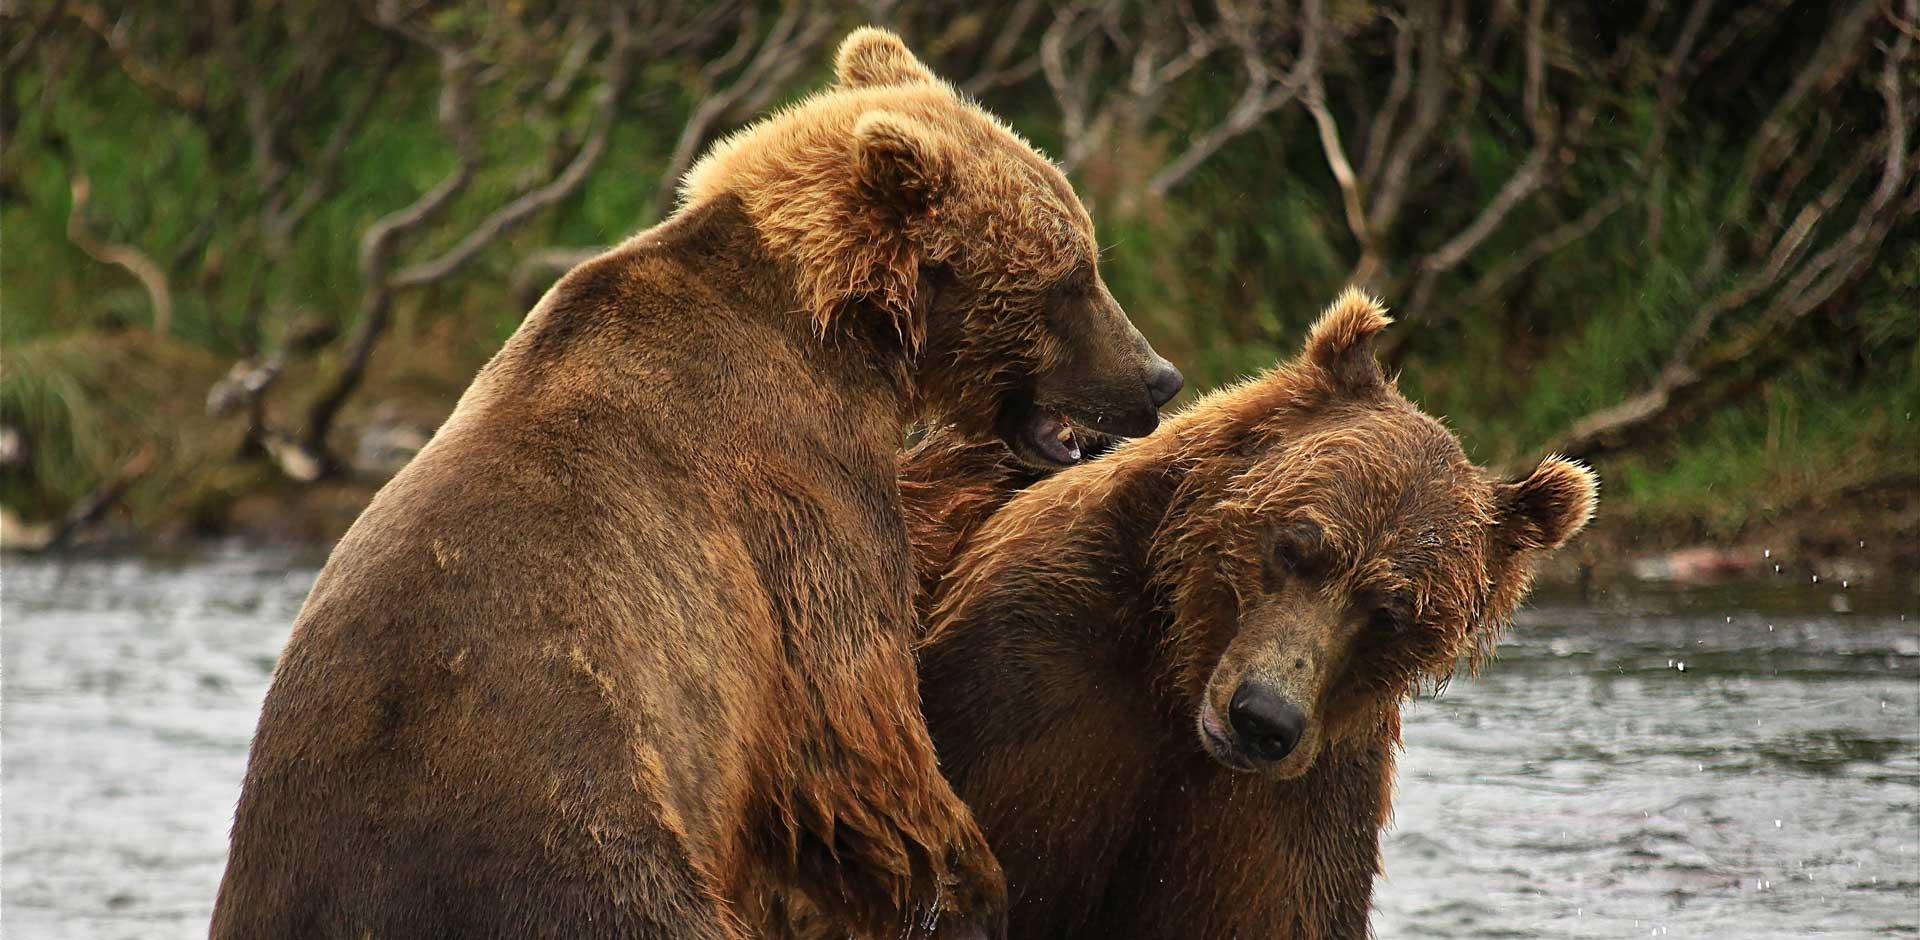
91 508
560 187
377 243
770 60
134 261
1806 282
1261 94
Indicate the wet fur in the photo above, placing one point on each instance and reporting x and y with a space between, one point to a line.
624 652
1073 632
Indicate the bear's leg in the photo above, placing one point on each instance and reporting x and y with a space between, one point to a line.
883 845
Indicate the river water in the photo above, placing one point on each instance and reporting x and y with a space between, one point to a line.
1712 764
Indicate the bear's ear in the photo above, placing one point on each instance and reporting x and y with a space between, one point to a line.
871 57
898 160
1548 507
1341 342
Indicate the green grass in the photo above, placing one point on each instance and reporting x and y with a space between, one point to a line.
88 404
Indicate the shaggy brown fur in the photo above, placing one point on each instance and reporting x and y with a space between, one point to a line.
949 486
625 651
1309 533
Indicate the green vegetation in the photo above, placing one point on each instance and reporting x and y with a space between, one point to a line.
1739 172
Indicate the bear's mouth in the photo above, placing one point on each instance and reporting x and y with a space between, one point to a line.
1040 436
1220 747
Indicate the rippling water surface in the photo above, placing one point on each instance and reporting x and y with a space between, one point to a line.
1683 766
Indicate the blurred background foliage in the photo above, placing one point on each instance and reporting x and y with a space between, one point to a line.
245 248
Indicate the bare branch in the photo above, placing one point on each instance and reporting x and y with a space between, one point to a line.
1440 46
785 47
134 261
1071 90
1532 174
1331 145
1738 29
1806 157
187 95
1262 95
1837 53
26 35
998 67
586 35
534 200
1381 130
1907 25
1497 277
1779 135
282 222
1697 364
91 508
376 244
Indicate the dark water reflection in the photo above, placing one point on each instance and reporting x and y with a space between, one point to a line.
1587 785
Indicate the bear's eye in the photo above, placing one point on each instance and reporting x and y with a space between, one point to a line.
1283 562
1075 283
1293 552
1386 620
1279 570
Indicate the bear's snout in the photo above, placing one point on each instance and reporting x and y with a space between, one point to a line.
1163 380
1269 727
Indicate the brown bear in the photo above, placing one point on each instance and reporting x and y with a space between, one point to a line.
626 650
1168 681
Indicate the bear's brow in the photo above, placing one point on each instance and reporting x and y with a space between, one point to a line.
1396 597
1301 536
1050 175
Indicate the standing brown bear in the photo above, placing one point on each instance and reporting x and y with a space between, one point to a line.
1168 681
625 652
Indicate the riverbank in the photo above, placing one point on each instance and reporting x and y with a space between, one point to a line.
1861 543
116 428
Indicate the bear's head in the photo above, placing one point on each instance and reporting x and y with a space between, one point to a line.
913 219
1330 550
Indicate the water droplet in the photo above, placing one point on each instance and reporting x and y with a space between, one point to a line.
1816 579
1767 554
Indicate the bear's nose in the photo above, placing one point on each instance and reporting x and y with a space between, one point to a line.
1163 381
1268 725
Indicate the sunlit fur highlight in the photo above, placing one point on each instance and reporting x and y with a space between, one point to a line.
995 212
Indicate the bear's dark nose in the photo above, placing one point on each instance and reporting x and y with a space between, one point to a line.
1268 725
1163 381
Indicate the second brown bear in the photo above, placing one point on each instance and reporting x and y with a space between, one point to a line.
1167 682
